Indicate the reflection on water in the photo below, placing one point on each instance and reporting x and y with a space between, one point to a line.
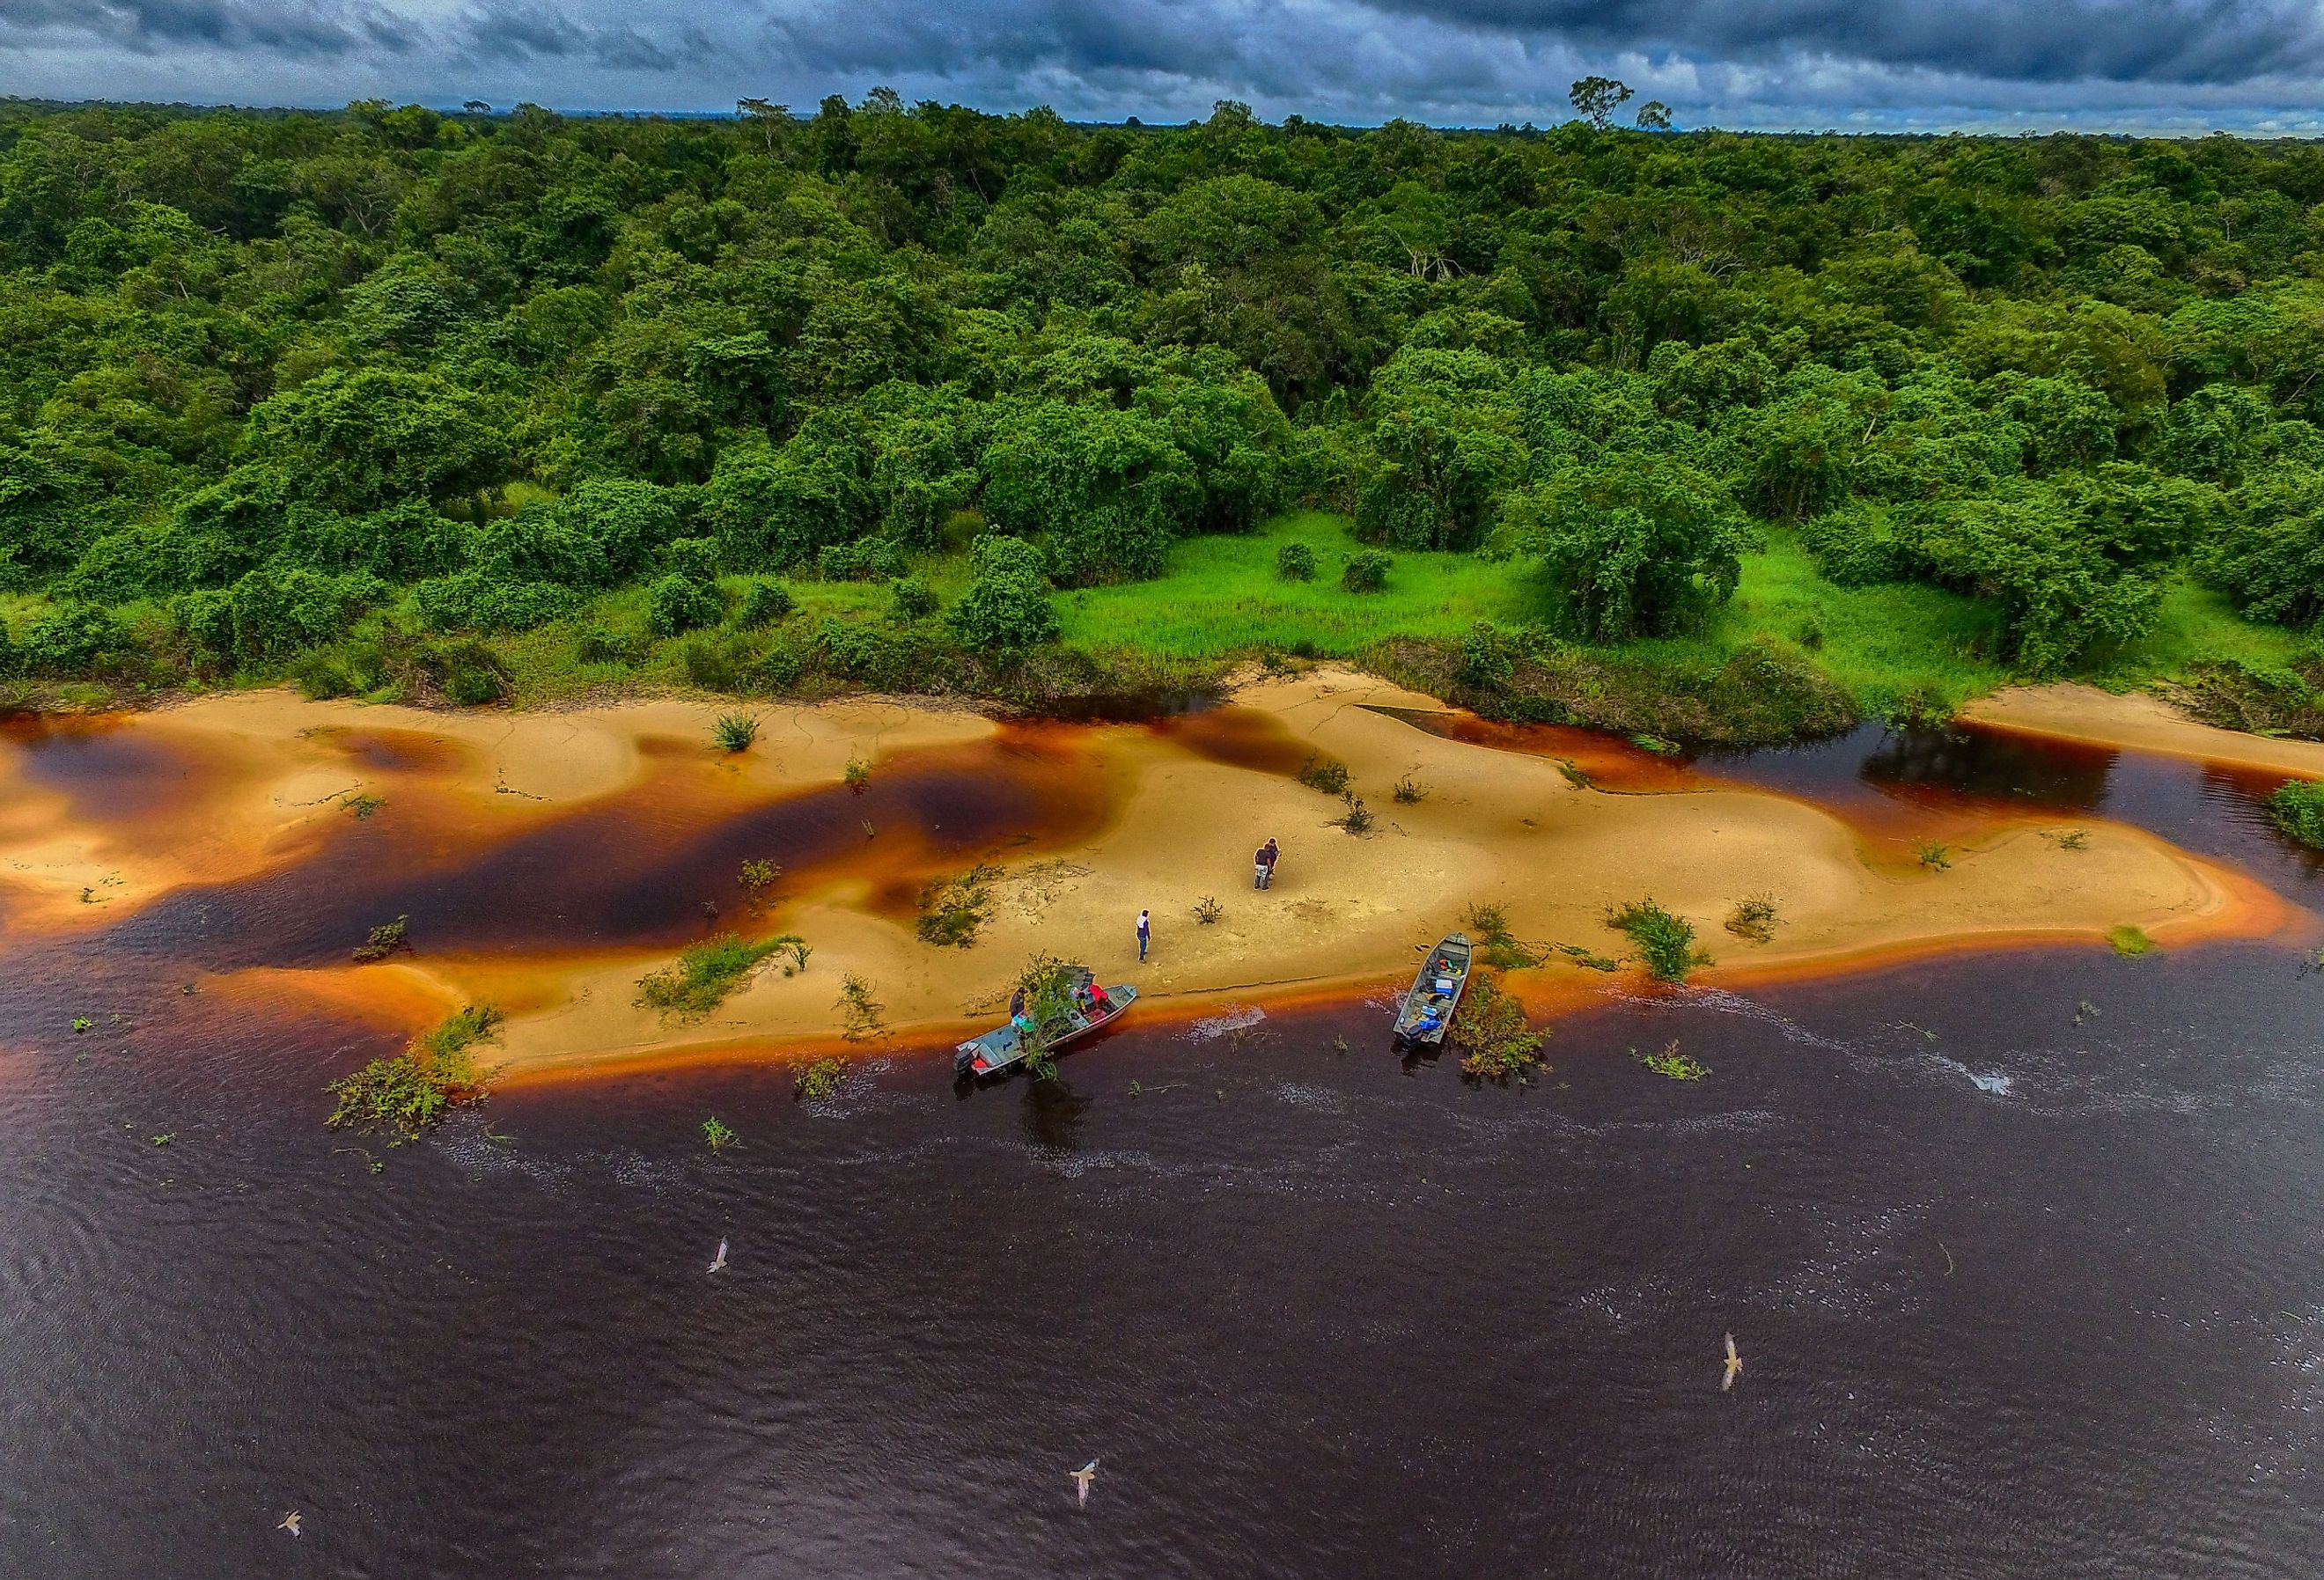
1881 777
2021 1254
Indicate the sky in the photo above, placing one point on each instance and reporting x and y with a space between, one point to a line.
2181 65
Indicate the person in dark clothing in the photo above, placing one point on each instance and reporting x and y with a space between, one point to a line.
1263 868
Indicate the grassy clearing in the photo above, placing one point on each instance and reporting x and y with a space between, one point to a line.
1895 650
705 974
1225 594
436 1070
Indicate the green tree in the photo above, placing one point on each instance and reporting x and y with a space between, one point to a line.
1006 607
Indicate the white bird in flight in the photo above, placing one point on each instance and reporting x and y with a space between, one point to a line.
290 1522
720 1259
1734 1366
1081 1478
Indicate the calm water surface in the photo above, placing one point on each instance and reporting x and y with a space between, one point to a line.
2024 1255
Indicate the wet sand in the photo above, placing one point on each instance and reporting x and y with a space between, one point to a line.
1128 817
2138 721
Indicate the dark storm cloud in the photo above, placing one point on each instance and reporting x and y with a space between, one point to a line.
505 31
1864 63
284 27
2030 40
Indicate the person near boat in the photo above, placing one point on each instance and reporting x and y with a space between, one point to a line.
1145 932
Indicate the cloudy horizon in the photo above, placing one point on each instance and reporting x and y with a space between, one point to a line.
2172 66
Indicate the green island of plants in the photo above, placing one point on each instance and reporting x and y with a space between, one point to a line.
1496 1041
1692 435
1670 1062
414 1089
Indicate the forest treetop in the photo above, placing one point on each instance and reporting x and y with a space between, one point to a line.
263 375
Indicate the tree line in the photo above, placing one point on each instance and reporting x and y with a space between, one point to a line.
264 376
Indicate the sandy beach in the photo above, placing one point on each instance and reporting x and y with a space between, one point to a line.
258 782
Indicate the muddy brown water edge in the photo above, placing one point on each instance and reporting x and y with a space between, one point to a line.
2021 1250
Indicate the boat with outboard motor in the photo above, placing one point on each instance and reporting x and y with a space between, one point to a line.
1089 1009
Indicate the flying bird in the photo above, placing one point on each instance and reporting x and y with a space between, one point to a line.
1081 1478
720 1259
1734 1366
290 1522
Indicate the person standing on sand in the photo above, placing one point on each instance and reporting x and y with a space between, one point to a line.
1145 933
1263 872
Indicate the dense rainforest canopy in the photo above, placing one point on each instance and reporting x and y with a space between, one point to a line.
271 382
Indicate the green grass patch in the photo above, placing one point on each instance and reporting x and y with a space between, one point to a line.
1665 941
2298 808
705 974
2130 941
1227 595
953 910
1497 945
436 1070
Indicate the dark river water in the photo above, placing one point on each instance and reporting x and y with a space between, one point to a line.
2024 1255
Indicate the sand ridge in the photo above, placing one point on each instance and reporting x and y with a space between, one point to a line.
2137 721
1494 827
260 779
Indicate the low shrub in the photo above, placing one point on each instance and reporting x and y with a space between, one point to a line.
704 976
1753 917
1491 1028
954 909
1366 571
436 1070
764 602
914 599
2130 941
1665 941
1295 562
2298 808
678 603
734 732
385 939
1672 1063
818 1079
1321 774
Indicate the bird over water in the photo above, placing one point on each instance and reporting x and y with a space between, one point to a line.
1081 1478
1734 1366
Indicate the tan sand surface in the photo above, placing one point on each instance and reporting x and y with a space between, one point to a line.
2138 721
1495 827
268 777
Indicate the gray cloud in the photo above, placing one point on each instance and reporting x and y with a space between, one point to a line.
292 28
2031 41
2184 64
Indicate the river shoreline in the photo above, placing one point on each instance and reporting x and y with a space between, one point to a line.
548 861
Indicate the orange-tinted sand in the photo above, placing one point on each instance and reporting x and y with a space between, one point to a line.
1177 809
